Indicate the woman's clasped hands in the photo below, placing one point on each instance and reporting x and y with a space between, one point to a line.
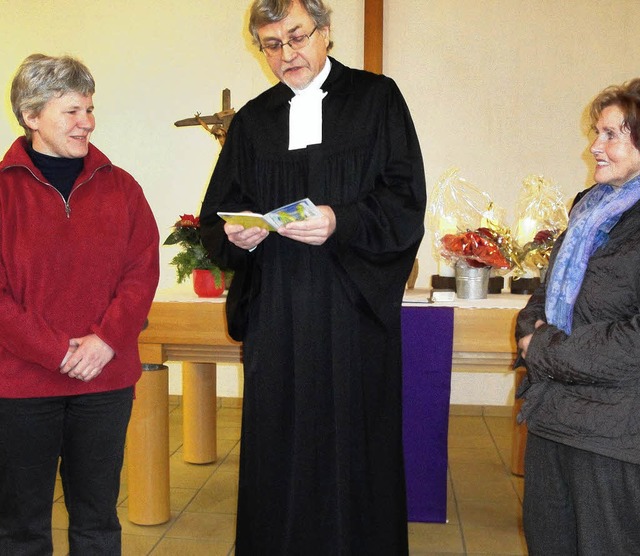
86 357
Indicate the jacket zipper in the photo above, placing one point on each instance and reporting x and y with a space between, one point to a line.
67 207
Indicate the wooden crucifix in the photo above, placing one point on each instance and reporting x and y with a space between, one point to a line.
217 124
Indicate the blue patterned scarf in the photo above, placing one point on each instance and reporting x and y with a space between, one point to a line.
590 222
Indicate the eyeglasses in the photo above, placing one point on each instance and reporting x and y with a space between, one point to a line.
294 43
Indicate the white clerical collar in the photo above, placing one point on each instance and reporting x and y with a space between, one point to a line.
305 114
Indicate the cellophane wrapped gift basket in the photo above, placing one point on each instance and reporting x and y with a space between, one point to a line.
469 238
541 216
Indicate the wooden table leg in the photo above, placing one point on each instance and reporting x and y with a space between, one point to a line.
199 412
519 432
148 449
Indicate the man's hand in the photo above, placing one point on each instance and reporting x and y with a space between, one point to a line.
314 231
245 238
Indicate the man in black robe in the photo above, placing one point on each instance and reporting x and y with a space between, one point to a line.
317 303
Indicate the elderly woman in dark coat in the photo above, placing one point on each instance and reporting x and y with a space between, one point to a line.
579 336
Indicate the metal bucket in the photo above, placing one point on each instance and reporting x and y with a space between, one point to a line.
471 282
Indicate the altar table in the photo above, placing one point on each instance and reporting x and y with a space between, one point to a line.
184 328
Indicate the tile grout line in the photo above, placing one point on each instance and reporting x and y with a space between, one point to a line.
218 463
506 465
455 501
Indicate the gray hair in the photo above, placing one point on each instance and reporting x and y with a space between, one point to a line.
264 12
40 78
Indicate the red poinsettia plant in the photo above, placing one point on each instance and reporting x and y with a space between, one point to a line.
482 247
186 234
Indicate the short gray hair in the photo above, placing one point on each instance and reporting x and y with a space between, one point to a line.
40 78
264 12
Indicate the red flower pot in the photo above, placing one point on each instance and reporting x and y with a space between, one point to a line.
204 283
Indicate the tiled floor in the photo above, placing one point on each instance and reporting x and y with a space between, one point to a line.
484 498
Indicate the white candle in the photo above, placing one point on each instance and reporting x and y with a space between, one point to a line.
445 268
527 229
447 225
488 217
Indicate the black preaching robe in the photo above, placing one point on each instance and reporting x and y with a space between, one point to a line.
321 465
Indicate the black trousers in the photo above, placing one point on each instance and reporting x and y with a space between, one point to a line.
579 503
86 434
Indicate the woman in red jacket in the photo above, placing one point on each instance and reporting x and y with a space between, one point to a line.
78 271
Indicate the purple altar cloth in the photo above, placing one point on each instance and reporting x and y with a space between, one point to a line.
427 343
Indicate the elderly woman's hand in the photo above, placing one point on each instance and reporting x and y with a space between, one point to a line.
86 358
523 344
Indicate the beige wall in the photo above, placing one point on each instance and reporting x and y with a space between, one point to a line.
155 62
497 88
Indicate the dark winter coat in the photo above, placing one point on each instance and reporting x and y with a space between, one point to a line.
583 390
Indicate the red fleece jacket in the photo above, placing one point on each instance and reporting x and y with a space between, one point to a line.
67 270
